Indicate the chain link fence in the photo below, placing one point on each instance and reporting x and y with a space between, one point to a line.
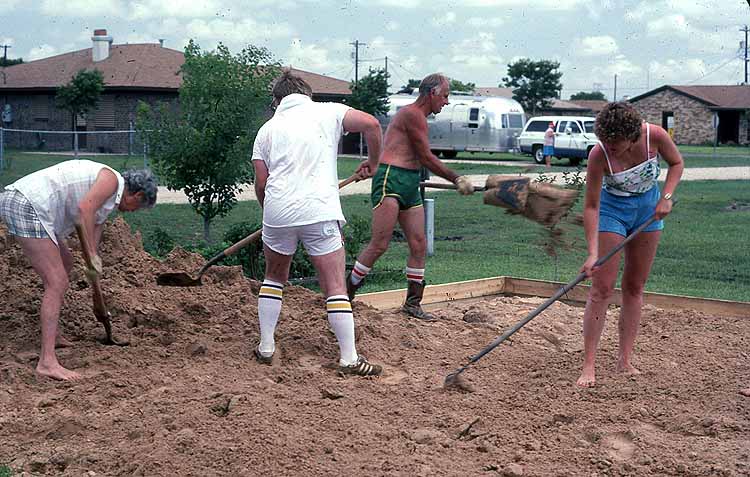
74 143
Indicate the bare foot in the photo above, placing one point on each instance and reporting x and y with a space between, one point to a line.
56 371
587 379
745 392
62 342
627 369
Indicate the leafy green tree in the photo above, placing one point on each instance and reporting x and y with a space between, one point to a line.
370 94
410 86
461 87
10 61
535 83
81 94
584 95
203 147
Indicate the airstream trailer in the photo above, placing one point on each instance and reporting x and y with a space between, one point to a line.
469 123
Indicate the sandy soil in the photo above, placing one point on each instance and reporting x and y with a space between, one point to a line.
186 397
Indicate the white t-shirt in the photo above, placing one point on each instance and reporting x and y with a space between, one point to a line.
55 192
299 145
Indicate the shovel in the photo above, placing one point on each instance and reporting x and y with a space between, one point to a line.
100 308
452 379
182 279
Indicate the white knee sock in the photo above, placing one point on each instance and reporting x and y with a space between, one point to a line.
269 307
359 272
415 274
342 321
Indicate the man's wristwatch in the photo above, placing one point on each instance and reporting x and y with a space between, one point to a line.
667 196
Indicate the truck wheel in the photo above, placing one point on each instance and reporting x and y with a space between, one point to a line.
538 154
436 152
450 154
574 161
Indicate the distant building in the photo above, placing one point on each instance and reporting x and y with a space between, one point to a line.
558 107
594 105
689 112
132 73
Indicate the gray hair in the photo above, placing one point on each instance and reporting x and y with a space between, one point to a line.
142 180
289 83
432 83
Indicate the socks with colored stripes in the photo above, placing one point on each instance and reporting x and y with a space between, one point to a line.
415 274
359 272
269 307
342 321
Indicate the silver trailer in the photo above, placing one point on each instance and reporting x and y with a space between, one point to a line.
469 123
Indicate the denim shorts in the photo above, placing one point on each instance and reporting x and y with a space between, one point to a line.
548 150
622 215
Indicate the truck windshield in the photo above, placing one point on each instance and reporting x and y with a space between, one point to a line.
589 126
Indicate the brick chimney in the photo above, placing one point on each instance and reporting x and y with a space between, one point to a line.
100 51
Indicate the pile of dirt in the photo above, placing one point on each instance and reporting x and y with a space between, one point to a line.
187 398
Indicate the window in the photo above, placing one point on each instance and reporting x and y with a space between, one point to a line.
574 127
537 126
589 126
474 114
40 107
105 112
504 121
516 121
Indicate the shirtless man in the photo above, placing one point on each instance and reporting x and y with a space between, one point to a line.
395 191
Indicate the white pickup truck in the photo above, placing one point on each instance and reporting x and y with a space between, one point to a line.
574 137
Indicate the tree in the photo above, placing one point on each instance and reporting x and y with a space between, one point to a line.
535 83
80 95
203 147
370 94
461 87
10 61
410 86
583 95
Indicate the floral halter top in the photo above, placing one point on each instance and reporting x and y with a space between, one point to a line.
636 180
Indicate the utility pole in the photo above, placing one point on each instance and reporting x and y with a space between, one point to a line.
614 95
5 53
745 29
356 45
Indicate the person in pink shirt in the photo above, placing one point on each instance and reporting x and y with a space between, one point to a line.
549 144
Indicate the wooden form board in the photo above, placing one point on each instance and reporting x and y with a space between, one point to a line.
522 286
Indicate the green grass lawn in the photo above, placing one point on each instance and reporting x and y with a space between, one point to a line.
704 250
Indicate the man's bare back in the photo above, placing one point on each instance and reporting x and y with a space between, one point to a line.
399 147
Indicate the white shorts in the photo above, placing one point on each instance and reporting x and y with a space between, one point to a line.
319 238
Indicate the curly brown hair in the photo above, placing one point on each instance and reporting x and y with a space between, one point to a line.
618 121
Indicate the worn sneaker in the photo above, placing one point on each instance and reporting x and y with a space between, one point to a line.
262 359
362 368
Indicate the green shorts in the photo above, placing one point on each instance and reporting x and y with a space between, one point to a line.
397 182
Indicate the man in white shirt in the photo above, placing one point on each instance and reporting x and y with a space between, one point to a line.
41 210
549 144
296 183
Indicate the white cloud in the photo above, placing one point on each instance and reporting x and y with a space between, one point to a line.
485 22
41 51
477 56
8 5
596 46
82 8
537 4
443 20
399 3
237 33
314 57
392 26
675 24
176 8
6 41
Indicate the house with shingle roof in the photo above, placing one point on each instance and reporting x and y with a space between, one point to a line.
132 72
558 107
689 111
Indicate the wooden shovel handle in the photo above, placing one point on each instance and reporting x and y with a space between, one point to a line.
100 309
440 185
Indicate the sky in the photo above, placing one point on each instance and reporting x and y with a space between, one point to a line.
645 43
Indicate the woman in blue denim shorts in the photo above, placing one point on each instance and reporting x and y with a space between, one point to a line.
621 194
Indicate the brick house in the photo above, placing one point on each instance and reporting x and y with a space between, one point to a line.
132 73
689 112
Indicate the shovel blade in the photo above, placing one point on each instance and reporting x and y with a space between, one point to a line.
177 279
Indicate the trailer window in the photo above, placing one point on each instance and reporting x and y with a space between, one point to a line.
516 121
474 114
